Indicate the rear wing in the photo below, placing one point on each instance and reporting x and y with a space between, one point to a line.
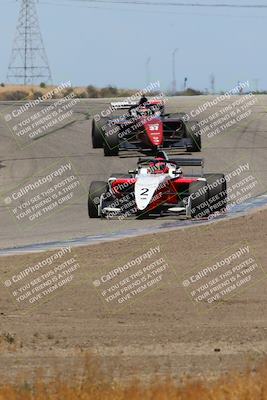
181 162
123 105
187 162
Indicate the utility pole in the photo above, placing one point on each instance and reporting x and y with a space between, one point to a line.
185 83
256 84
28 62
212 83
174 70
148 70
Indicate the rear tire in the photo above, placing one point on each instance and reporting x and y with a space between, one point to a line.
96 189
199 195
97 136
217 191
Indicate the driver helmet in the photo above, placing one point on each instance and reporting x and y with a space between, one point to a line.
143 100
144 111
158 168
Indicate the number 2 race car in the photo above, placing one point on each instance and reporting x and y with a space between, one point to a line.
146 128
159 186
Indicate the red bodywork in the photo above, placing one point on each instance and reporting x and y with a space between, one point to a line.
154 131
148 128
170 192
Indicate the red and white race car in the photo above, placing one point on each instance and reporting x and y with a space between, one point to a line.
146 128
159 186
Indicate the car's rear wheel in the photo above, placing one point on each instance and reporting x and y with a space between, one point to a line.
199 200
217 191
96 189
97 135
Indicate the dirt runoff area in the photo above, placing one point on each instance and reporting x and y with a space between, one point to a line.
191 301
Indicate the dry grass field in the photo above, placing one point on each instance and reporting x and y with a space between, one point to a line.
21 92
251 385
28 92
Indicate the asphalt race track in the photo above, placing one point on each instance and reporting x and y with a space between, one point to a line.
243 142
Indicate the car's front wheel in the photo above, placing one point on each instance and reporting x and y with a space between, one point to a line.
97 135
96 189
199 200
217 192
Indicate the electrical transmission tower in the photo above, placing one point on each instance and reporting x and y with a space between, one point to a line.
212 83
28 62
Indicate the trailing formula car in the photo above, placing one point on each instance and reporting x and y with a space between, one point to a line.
159 186
146 128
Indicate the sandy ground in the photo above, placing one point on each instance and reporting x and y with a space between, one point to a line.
163 330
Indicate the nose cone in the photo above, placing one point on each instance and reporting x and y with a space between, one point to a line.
145 188
154 130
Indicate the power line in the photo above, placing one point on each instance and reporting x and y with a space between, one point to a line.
100 7
174 4
58 3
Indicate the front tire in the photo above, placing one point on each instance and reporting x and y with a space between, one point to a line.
199 197
96 189
217 192
97 136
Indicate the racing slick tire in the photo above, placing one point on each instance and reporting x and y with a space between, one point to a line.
217 192
111 144
199 195
97 135
193 132
96 189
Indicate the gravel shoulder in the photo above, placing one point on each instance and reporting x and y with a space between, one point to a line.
162 331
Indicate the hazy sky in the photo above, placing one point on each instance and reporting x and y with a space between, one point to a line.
110 44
